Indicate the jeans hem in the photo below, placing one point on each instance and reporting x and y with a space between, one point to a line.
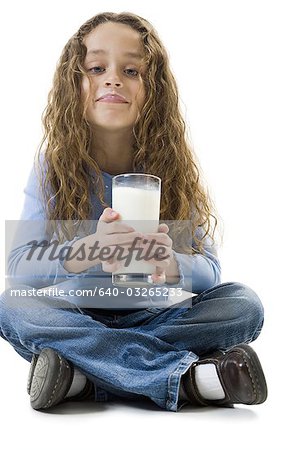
174 381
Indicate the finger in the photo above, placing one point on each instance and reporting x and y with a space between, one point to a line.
118 226
111 266
109 215
118 252
157 262
155 253
159 276
132 239
163 228
158 238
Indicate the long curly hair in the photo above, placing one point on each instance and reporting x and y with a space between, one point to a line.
161 145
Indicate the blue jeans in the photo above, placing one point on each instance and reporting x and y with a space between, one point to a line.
140 354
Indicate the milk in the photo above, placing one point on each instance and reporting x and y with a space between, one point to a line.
138 204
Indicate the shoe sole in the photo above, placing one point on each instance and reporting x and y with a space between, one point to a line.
30 375
256 373
50 381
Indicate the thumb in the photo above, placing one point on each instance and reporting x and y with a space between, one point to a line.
109 215
159 277
163 228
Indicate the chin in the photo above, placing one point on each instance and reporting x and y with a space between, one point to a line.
113 125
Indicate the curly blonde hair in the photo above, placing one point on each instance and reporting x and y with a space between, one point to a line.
160 148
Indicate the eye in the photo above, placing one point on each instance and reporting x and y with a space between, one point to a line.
98 69
132 72
95 70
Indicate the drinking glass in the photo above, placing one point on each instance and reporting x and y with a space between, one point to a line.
136 197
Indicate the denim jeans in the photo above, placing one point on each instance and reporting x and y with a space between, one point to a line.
140 354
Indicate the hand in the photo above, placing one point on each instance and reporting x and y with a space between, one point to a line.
112 232
159 240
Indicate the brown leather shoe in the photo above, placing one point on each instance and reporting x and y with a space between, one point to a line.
241 376
50 378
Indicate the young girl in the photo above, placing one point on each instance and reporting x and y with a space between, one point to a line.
114 109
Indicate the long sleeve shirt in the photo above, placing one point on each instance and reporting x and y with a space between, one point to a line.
196 272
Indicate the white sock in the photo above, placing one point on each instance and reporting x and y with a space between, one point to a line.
208 382
78 383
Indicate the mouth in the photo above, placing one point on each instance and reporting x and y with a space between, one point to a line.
111 98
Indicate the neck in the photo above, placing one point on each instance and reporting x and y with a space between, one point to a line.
113 151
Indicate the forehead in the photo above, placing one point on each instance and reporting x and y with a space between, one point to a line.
113 37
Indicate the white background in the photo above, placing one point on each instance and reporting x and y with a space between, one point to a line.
236 64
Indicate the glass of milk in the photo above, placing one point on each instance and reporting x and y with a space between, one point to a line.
136 197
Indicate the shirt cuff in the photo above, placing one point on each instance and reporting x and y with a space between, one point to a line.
184 263
181 281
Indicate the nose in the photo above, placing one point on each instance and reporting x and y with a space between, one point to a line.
113 83
113 79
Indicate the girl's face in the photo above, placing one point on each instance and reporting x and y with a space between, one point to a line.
113 61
